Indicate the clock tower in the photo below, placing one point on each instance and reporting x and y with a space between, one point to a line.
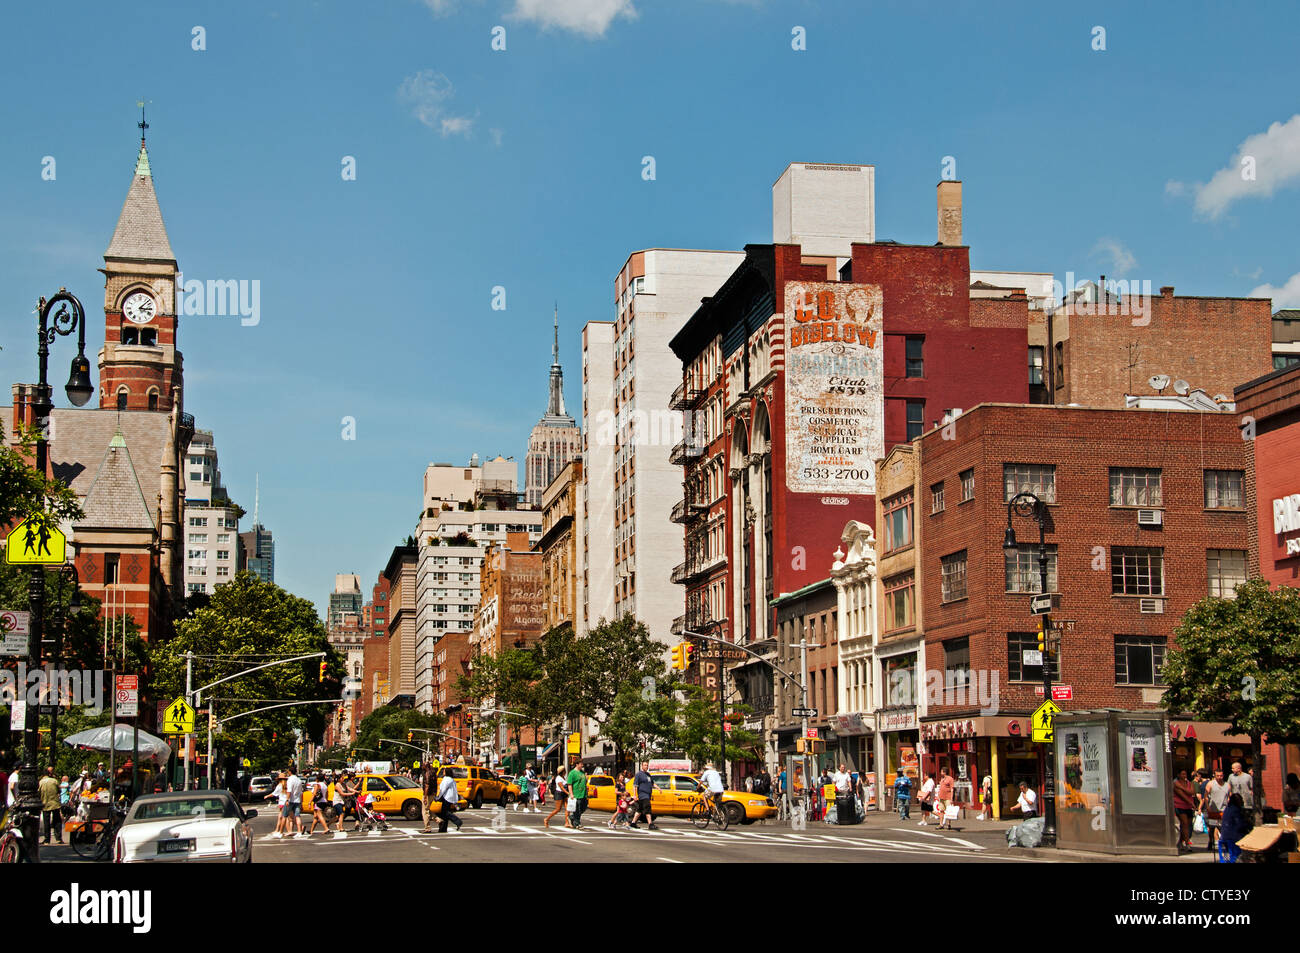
139 366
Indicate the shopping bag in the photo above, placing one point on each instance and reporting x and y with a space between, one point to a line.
1198 823
952 812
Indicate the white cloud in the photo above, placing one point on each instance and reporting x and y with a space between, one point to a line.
440 8
1115 251
496 136
1287 296
428 91
1275 158
591 18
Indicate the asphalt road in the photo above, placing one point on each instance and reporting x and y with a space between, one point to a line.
519 836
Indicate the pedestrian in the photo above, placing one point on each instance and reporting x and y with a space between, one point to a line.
429 791
1239 782
1028 800
986 798
1216 798
51 816
527 784
927 799
780 783
749 784
903 796
763 782
319 801
577 784
643 787
339 801
100 773
845 812
561 790
281 794
294 790
448 801
943 799
1234 826
1184 806
1291 794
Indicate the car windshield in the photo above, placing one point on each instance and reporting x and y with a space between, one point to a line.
402 783
196 808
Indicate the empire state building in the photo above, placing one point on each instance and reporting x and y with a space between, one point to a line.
555 439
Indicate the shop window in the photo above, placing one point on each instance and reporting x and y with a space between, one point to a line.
1138 659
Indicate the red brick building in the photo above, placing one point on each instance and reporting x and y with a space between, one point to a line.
1147 515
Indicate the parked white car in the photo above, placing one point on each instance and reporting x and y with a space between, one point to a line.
190 826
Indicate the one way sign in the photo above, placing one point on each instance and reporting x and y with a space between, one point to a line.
178 719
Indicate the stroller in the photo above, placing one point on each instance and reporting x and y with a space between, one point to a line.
368 819
622 815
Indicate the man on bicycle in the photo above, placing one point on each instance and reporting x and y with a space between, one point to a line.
711 782
903 796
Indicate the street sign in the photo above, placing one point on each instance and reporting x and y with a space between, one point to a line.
812 732
1040 605
35 542
16 630
1063 625
1031 657
17 714
178 719
127 696
1041 721
727 726
803 712
1062 693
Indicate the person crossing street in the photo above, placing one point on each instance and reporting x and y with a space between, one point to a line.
577 785
449 800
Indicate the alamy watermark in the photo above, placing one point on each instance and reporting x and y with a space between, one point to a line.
51 685
220 297
951 688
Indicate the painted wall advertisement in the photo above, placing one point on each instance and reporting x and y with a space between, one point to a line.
834 386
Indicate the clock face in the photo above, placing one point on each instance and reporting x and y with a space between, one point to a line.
139 307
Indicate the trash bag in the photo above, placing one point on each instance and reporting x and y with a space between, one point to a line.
1026 834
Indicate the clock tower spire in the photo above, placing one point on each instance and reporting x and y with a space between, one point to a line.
139 365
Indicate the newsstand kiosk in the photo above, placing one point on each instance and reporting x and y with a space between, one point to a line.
1114 792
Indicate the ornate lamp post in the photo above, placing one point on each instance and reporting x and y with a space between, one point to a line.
70 317
1029 505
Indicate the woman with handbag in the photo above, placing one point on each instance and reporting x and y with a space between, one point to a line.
1184 806
927 799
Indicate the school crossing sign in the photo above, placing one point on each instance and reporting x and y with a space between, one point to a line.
35 542
178 719
1041 721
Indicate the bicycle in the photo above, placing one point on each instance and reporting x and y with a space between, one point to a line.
13 846
705 810
93 838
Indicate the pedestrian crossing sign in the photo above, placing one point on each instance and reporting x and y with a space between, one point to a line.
1041 721
178 719
35 542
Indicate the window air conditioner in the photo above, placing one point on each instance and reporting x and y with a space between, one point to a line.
1152 606
1151 517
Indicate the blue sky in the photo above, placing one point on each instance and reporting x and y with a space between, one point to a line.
522 168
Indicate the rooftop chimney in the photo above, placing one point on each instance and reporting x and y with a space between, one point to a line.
950 212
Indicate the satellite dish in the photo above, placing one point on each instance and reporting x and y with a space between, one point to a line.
1182 387
1158 381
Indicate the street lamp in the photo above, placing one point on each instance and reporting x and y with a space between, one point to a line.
70 317
1029 505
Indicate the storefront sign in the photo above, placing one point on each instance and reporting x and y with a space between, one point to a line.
834 386
897 719
852 724
948 729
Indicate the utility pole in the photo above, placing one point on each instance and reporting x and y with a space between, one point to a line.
189 671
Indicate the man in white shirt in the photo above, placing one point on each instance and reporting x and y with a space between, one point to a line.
449 799
293 800
711 781
1028 801
845 810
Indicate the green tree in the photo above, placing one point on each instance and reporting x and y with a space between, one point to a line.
643 719
247 623
1237 660
509 681
698 730
393 723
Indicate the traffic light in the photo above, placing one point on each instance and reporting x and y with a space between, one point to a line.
688 655
322 671
410 736
679 656
1042 635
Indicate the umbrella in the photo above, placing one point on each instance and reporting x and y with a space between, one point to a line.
151 748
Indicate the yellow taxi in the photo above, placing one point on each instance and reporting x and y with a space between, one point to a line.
475 785
394 794
676 792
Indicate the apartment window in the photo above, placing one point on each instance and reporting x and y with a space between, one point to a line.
198 570
198 521
1023 574
195 477
915 356
1138 659
954 576
967 478
1017 644
194 586
915 419
1223 490
198 554
194 459
956 662
900 601
936 497
1038 479
110 569
198 537
898 522
223 554
1060 364
223 570
1137 571
223 537
1283 361
1036 367
1135 486
1226 569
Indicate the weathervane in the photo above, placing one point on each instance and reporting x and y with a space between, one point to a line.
142 123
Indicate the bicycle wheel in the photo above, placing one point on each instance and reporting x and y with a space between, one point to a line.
84 839
700 815
720 818
11 850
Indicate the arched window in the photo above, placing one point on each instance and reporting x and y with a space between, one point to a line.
153 398
122 394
